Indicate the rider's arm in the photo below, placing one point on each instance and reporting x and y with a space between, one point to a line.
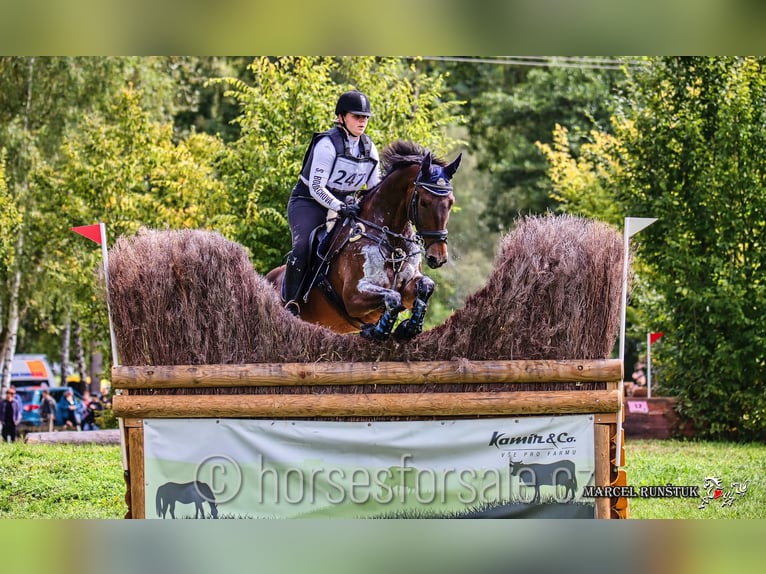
375 175
324 157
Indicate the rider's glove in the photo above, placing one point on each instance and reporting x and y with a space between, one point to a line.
349 210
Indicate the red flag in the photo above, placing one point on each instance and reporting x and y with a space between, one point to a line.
92 232
654 337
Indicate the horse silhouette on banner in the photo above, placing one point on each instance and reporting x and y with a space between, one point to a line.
186 493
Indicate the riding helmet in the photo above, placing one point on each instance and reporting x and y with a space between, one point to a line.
353 102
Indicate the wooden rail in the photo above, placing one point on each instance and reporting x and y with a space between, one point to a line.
380 373
341 405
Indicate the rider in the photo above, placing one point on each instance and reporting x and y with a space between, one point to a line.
338 163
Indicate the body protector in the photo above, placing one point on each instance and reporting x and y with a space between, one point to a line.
349 173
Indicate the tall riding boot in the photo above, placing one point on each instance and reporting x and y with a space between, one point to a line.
293 283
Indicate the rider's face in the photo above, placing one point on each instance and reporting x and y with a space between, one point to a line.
355 124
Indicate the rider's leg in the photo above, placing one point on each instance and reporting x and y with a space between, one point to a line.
303 214
295 273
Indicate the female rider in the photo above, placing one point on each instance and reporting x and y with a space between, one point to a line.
338 163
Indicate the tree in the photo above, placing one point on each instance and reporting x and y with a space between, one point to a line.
695 160
584 185
506 123
9 217
40 100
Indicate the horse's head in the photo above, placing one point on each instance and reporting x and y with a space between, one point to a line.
432 200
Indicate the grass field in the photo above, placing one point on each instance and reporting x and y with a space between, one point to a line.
661 462
85 481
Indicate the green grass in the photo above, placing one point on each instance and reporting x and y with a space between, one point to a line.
659 462
85 481
61 481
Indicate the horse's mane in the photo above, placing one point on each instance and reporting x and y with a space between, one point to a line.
401 153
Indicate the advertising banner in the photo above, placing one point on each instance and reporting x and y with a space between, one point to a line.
500 467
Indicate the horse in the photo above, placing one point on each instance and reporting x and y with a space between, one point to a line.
369 269
187 493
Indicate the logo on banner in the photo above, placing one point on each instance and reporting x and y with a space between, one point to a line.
554 444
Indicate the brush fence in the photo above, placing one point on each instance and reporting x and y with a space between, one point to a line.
315 391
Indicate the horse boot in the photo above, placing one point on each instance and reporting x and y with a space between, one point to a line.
381 330
292 284
412 327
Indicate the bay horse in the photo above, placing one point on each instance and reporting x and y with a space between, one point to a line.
187 493
370 268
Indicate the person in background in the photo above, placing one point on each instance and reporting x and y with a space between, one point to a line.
48 410
72 413
89 407
10 413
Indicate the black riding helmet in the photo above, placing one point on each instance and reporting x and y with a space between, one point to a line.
353 102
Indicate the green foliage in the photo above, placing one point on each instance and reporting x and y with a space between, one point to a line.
695 161
291 98
507 121
105 419
584 185
42 99
10 218
121 167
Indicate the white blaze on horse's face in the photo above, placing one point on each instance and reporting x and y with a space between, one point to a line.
376 268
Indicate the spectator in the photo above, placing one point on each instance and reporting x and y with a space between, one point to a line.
72 413
10 412
90 406
48 410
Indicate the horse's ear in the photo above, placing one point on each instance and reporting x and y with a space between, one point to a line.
452 168
425 167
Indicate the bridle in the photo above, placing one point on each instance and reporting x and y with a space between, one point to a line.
439 235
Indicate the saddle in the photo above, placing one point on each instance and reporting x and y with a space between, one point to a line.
325 246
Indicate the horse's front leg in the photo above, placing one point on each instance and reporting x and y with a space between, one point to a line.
412 327
381 330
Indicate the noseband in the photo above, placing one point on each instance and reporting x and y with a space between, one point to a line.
435 189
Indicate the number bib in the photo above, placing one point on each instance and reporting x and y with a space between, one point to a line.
350 174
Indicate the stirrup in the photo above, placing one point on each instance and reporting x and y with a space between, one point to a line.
293 308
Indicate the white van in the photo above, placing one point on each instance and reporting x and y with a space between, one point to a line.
29 370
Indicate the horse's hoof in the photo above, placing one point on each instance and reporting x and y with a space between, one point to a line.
406 331
370 332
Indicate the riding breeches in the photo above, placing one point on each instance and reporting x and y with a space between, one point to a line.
304 215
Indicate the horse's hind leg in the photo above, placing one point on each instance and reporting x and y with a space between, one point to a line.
413 326
381 330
